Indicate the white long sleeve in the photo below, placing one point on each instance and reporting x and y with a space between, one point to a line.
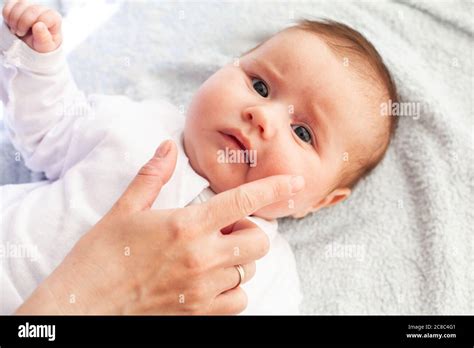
41 103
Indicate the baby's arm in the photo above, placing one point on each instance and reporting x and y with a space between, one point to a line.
41 100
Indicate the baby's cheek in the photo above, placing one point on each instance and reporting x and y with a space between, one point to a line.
201 101
288 166
267 164
219 89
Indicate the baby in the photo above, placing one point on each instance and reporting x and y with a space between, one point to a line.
304 102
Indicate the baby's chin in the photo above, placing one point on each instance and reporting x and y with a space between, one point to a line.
226 176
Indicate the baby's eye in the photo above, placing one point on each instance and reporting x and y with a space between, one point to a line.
303 133
260 87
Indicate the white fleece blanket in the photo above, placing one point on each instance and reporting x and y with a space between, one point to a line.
403 243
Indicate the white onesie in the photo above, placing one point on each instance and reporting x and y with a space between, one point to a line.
90 148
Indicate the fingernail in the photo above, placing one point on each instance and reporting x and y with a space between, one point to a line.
296 183
163 149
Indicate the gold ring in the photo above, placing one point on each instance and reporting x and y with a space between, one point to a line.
241 271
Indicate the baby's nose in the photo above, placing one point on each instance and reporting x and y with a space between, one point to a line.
261 120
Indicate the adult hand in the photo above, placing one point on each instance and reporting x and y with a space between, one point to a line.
138 261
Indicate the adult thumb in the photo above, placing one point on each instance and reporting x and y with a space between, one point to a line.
147 184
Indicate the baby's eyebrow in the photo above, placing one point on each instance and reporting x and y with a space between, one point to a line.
268 68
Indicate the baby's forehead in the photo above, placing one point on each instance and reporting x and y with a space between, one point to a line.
309 55
306 64
293 50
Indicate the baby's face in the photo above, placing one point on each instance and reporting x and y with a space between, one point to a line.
292 104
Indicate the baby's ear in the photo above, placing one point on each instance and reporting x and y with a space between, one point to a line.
336 196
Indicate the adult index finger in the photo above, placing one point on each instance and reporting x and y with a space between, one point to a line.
232 205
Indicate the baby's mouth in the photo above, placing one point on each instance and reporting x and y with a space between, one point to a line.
242 147
237 141
234 139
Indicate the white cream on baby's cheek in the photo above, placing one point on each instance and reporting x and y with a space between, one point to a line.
228 100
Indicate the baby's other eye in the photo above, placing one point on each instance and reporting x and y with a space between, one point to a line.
260 87
303 133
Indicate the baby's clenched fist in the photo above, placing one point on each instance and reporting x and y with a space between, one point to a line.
38 26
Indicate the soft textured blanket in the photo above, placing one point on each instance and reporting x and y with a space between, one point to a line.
403 243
